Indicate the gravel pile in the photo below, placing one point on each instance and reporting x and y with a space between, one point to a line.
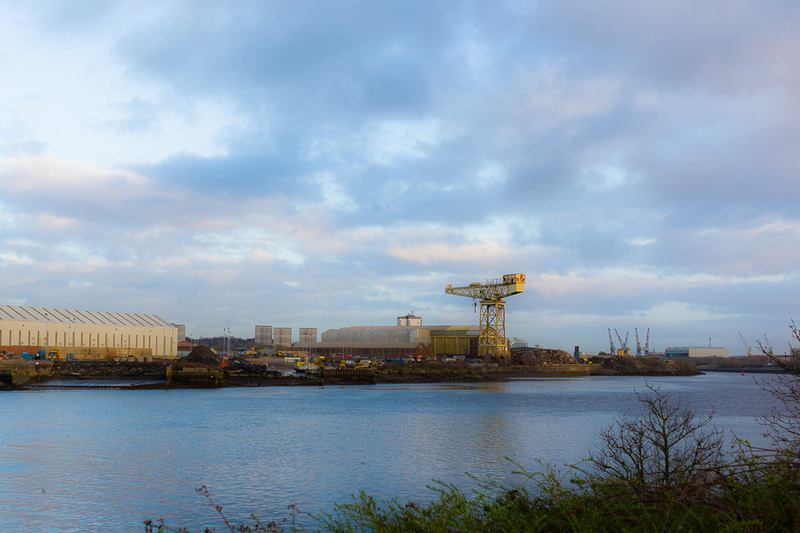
202 355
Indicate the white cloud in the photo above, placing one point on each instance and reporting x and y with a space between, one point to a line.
47 176
490 175
642 241
669 312
333 194
388 141
14 258
432 253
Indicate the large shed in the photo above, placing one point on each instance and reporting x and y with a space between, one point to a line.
66 333
696 351
384 342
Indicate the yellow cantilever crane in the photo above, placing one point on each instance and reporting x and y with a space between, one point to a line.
492 335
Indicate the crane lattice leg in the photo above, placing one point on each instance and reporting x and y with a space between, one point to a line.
492 336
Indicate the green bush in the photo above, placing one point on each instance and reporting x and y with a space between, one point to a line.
663 470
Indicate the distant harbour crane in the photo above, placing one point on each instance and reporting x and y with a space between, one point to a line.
623 345
638 344
639 350
492 340
767 348
612 349
748 349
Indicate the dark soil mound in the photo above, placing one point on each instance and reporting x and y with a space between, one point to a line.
204 356
649 366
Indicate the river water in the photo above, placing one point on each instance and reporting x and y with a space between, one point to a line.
106 460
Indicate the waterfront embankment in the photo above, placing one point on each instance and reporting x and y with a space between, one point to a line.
17 373
273 372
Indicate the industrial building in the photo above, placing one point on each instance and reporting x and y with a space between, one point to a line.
282 337
66 333
390 342
263 335
307 335
409 320
181 332
696 351
519 342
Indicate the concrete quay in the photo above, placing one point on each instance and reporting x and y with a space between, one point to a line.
17 373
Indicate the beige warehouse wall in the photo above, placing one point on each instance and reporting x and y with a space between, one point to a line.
708 352
451 345
90 338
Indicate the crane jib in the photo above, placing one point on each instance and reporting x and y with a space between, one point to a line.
491 290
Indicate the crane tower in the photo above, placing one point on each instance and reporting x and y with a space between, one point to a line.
746 347
492 332
624 350
612 349
638 344
646 343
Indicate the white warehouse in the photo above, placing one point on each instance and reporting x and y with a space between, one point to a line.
696 351
66 333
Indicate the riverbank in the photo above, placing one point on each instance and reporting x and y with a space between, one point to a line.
745 369
265 372
17 373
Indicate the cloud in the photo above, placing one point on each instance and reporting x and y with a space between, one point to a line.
51 176
341 162
432 253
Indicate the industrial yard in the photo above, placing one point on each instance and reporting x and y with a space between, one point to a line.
203 368
47 344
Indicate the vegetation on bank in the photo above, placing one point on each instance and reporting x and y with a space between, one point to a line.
665 469
751 363
244 372
646 366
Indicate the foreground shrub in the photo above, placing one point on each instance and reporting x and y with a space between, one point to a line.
664 447
663 470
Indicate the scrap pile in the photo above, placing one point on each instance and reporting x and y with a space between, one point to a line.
540 356
242 367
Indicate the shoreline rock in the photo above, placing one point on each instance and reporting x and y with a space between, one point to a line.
246 373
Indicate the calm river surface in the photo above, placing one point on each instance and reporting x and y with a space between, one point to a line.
106 460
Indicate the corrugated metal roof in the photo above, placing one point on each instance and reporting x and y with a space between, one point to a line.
69 316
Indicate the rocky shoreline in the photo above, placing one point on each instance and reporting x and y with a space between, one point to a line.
211 372
203 368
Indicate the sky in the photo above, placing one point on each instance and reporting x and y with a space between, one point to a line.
331 164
